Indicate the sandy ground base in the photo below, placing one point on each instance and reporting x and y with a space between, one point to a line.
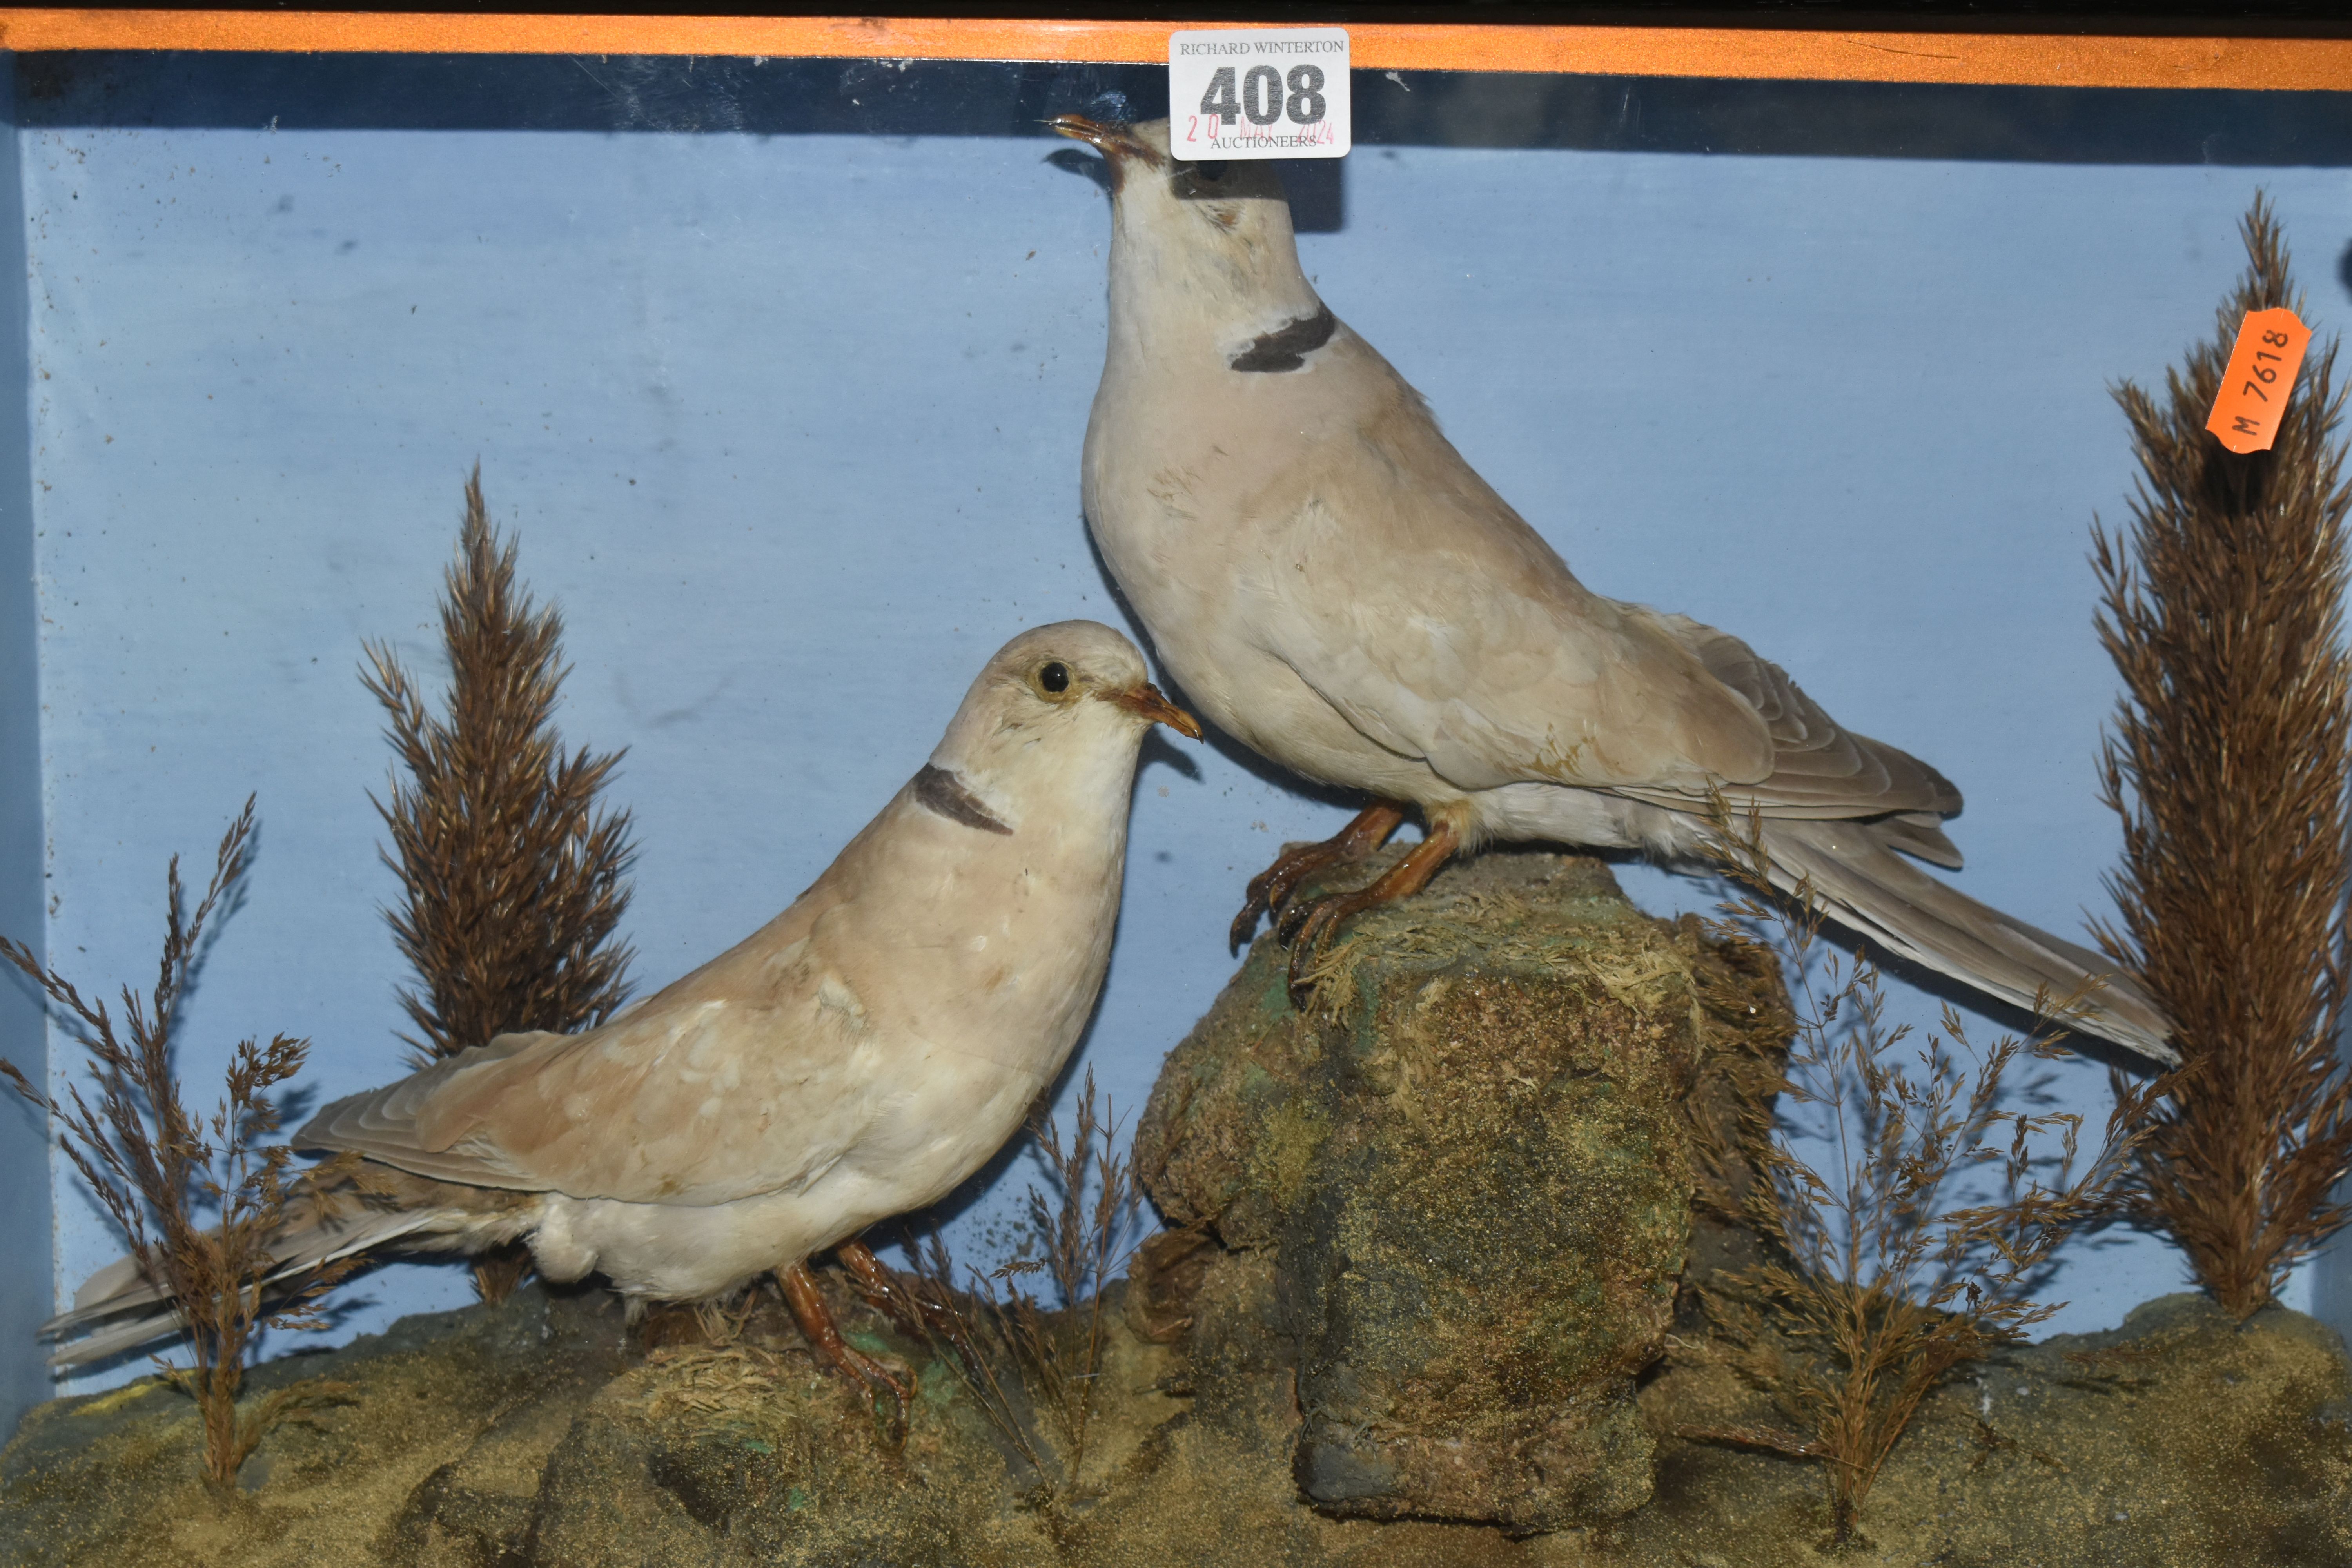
544 1433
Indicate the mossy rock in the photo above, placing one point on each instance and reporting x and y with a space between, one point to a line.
1473 1159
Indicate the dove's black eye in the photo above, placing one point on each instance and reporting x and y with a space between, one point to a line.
1212 172
1054 677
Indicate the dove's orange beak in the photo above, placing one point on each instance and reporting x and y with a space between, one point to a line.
1115 143
1147 701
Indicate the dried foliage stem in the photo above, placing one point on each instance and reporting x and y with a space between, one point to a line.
2222 609
1079 1221
1882 1276
158 1166
513 882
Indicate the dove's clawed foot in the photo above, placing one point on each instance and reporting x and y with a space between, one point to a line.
823 1336
887 1292
1307 926
1270 889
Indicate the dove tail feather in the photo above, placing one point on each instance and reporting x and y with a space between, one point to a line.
119 1308
1863 882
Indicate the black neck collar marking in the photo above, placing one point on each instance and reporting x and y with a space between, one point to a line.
945 794
1287 346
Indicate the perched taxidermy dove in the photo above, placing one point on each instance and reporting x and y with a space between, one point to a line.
854 1059
1334 586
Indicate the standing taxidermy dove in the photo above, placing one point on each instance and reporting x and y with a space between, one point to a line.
856 1057
1331 584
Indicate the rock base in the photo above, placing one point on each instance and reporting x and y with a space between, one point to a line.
1470 1162
1419 1309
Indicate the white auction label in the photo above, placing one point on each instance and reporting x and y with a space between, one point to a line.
1258 92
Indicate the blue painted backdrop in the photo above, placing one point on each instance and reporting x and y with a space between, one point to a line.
789 426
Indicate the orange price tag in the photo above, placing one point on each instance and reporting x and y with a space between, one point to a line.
2262 373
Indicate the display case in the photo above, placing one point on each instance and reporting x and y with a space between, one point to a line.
773 344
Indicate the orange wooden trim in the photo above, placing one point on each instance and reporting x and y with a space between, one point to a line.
2022 59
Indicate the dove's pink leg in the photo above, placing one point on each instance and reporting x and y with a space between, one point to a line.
1271 888
824 1335
1308 925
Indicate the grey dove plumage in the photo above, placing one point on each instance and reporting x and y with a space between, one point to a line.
1330 583
854 1059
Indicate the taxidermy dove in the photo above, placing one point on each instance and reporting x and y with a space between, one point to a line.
855 1057
1334 586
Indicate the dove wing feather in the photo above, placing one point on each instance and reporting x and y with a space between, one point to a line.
1415 602
1821 770
382 1123
1488 659
737 1080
